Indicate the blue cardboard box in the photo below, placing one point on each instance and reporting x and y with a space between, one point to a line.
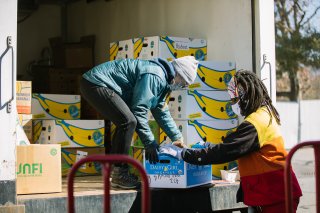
173 173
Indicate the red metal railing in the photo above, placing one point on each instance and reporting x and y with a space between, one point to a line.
106 160
288 180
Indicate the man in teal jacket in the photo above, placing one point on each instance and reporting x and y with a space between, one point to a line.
124 91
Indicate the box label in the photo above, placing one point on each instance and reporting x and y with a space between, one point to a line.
29 169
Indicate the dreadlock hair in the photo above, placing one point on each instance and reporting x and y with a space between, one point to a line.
253 94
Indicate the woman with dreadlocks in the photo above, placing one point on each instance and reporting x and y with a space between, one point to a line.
257 145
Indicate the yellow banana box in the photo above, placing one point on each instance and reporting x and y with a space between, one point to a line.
38 169
169 48
201 105
69 133
23 96
121 49
213 75
213 131
55 106
25 120
137 153
69 156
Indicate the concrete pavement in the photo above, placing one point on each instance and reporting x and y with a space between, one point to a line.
304 167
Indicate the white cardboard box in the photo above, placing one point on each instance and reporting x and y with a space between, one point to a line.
230 176
173 173
55 106
200 105
121 49
69 133
169 48
213 75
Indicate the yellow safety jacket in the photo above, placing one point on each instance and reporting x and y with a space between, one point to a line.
262 172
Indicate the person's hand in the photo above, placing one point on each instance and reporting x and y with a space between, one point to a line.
171 150
152 152
179 143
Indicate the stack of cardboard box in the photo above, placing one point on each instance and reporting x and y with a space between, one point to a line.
203 112
36 164
56 122
168 173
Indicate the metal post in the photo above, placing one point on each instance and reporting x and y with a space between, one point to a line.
288 179
106 160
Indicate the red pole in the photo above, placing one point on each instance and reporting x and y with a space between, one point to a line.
287 178
317 174
106 160
106 175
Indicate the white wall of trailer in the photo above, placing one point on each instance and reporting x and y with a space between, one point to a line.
265 44
8 27
226 24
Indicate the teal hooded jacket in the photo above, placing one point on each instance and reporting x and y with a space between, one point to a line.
143 85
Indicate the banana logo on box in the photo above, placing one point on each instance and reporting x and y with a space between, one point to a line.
70 159
83 137
137 153
138 44
67 111
216 79
208 133
200 53
37 128
214 108
114 50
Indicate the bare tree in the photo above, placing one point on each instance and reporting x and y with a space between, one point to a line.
297 39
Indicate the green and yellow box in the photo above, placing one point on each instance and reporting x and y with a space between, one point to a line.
137 153
201 105
121 49
69 156
213 75
55 106
69 133
168 47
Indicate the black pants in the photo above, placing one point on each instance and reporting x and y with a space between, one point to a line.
113 108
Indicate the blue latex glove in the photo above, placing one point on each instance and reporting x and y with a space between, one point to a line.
171 150
151 152
200 145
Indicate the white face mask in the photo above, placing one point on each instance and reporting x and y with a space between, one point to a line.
233 93
236 109
178 83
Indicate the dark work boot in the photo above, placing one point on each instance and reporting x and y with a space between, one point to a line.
121 178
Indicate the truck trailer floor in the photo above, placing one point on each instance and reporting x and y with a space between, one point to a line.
88 192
